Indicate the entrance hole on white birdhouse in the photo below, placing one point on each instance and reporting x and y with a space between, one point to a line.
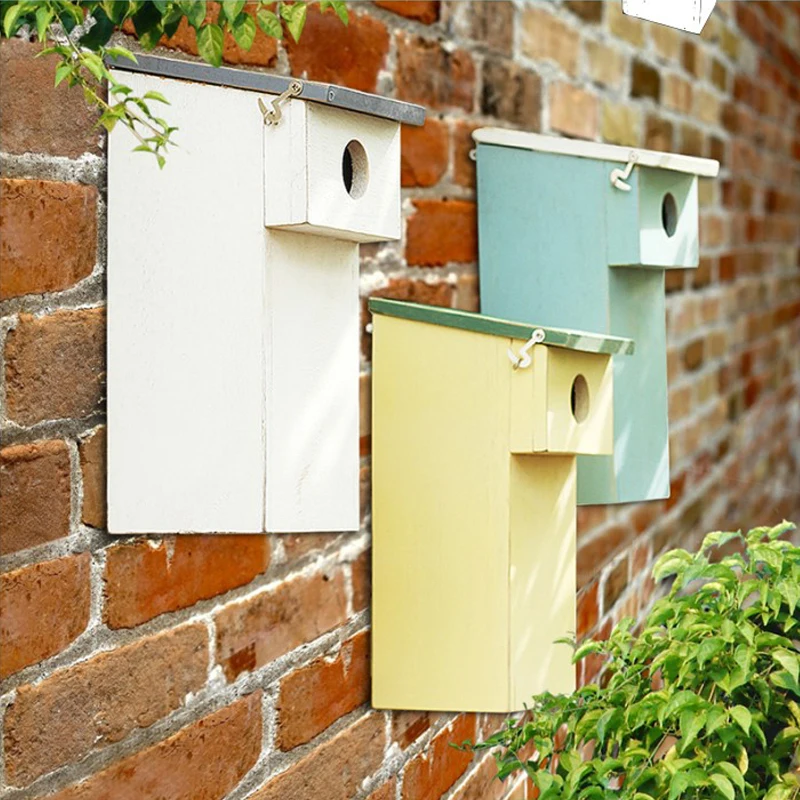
669 214
355 169
579 398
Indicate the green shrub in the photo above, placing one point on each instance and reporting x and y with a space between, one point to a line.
702 703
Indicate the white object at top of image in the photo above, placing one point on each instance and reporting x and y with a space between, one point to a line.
687 15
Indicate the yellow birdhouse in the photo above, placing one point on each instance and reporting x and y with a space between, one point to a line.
476 426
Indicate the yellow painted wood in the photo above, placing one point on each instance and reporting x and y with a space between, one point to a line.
473 546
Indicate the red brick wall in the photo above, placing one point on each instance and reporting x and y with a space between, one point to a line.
211 667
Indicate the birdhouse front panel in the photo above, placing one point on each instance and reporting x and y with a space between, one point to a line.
233 345
465 528
578 234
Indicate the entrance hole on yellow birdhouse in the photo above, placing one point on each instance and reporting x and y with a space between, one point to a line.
355 169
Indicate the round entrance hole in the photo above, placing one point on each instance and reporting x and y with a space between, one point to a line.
579 398
669 214
355 169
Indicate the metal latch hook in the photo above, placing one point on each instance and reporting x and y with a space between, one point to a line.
272 116
523 359
620 176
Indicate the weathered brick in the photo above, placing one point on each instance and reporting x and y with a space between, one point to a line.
387 791
483 784
425 153
667 41
93 471
335 770
44 608
362 581
258 630
599 549
606 64
425 11
351 55
615 584
430 74
203 761
588 611
39 117
430 774
441 232
492 25
313 697
408 726
511 93
622 124
588 10
628 28
658 133
574 111
63 251
693 355
76 710
55 366
547 38
467 293
677 94
645 80
34 494
144 579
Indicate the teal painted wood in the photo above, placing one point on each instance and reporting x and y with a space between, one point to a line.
550 228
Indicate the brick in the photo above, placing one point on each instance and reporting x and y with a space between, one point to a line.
425 153
39 117
55 366
667 41
678 94
599 550
463 144
76 710
428 73
335 770
511 93
615 584
351 55
467 293
545 37
313 697
692 58
430 774
588 10
719 75
424 11
707 107
93 472
588 612
442 232
574 111
645 81
203 761
44 608
258 630
483 784
693 355
492 25
387 791
408 726
606 64
34 494
362 581
624 27
658 133
622 124
146 578
63 251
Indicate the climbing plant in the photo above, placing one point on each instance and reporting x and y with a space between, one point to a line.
79 33
703 702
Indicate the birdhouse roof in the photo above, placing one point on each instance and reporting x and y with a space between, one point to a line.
328 94
704 167
479 323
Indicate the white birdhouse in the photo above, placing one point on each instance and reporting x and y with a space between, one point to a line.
687 15
233 308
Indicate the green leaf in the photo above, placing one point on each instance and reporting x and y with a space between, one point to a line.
587 648
732 773
718 538
116 10
94 64
789 662
44 16
195 11
232 8
708 649
100 32
209 43
121 52
147 21
780 791
269 23
691 724
295 16
724 786
244 31
339 6
671 563
152 95
63 70
742 717
781 529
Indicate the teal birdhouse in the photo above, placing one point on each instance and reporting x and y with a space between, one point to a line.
577 234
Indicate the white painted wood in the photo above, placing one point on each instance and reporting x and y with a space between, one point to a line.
186 253
686 15
312 340
318 201
705 167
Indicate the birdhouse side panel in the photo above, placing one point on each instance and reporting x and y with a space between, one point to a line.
542 238
311 383
185 319
440 474
543 577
